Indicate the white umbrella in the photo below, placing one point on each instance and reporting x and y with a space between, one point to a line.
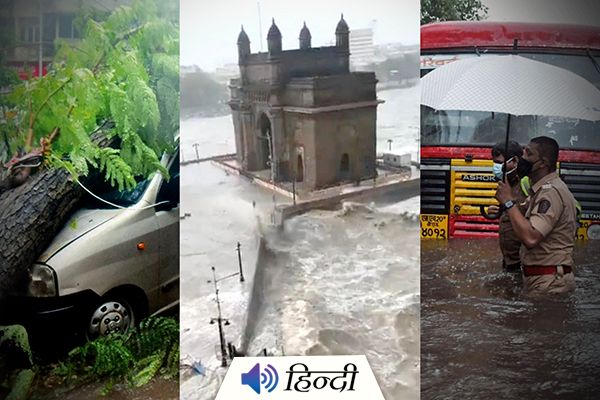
510 84
513 85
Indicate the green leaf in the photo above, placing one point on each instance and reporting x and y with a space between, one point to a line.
125 69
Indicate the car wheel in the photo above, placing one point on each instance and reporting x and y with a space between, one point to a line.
114 315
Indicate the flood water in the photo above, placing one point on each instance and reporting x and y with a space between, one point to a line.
336 282
330 282
482 339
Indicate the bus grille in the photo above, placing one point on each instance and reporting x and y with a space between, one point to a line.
473 185
435 186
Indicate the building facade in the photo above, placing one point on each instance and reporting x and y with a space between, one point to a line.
362 50
302 114
35 25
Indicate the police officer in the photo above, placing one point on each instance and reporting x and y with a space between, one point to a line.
509 242
547 230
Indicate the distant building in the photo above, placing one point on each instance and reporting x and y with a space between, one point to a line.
397 160
362 49
188 69
55 17
302 114
226 73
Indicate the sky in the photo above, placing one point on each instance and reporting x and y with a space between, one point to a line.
209 29
582 12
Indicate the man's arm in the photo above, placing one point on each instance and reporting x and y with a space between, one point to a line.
526 233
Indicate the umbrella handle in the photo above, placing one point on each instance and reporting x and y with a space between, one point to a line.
490 216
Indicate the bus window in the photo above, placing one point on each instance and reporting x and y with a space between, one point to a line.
581 65
474 128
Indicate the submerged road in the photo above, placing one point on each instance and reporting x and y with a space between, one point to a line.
482 339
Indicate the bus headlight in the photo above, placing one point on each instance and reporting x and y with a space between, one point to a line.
42 281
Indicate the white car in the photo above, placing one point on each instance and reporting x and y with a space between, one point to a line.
109 267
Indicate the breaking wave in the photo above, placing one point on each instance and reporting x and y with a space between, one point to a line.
341 282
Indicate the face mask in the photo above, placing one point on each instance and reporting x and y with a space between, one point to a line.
525 167
498 170
514 169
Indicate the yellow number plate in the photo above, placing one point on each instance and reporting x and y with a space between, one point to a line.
434 226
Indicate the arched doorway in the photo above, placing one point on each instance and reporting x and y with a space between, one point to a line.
265 141
345 166
299 168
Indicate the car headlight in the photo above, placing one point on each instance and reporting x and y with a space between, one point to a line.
42 281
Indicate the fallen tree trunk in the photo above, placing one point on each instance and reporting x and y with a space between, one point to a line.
33 213
30 217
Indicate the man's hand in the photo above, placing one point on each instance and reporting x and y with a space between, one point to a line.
521 225
504 192
493 209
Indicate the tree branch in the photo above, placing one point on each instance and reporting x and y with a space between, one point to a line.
33 116
56 129
124 36
29 139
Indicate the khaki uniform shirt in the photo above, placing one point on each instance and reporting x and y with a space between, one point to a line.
552 213
510 244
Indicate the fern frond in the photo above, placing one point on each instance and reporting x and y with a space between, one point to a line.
151 367
116 170
125 69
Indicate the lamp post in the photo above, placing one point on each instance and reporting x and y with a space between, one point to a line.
419 150
239 253
219 319
41 47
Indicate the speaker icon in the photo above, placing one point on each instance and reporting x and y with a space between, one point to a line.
254 378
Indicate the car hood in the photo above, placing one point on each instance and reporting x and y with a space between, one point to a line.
80 223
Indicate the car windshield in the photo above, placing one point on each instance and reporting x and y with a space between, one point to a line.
471 128
123 198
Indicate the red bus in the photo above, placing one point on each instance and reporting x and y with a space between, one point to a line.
456 167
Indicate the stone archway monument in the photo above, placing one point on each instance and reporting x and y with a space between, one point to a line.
304 98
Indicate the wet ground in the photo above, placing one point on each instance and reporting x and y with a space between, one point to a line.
482 339
46 386
157 389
